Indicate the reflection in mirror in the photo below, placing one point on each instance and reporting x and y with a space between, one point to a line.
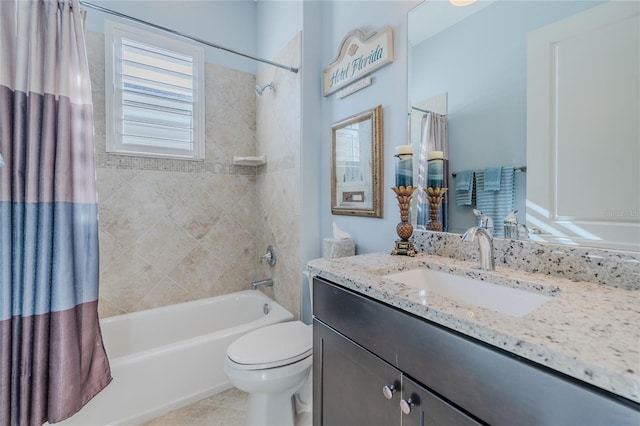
429 136
592 139
356 162
479 55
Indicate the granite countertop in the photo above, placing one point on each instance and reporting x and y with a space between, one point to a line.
588 331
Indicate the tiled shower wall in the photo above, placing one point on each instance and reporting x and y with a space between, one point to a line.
173 230
278 186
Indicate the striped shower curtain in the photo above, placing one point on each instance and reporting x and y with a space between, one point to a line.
52 360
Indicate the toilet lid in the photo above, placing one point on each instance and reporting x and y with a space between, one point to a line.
272 346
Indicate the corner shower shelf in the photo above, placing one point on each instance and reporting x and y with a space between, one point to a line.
250 161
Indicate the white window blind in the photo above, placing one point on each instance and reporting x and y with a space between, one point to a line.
157 85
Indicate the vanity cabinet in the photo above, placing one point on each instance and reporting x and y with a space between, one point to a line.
358 388
362 346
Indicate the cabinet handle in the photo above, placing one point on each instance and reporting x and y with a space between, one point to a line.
405 405
388 391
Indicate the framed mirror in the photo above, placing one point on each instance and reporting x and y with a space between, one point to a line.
356 164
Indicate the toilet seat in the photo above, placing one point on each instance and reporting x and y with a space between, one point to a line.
272 346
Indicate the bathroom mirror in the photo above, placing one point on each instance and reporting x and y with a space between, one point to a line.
481 55
356 164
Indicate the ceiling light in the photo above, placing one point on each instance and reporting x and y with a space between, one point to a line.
462 2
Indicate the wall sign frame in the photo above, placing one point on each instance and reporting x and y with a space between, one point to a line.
360 54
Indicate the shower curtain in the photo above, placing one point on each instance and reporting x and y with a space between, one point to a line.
434 136
52 360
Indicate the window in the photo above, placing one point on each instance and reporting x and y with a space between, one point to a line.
154 94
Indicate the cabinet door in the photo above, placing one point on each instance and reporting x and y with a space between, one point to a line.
422 408
348 383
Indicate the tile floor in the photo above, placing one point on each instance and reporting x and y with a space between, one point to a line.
224 409
228 408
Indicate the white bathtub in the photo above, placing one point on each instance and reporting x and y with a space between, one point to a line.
172 356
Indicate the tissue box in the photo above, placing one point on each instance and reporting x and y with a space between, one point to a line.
333 248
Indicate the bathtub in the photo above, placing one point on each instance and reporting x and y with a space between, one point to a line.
169 357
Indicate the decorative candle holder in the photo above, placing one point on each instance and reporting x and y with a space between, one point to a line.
404 228
434 197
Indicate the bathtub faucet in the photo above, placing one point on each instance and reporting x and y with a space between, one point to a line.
262 283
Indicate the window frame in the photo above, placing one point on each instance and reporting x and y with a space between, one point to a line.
114 32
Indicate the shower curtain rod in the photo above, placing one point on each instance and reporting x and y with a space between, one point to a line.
421 110
426 111
159 27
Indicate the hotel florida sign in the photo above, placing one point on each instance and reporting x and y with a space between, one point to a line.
360 54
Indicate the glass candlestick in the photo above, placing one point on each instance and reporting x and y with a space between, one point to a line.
404 166
404 229
434 197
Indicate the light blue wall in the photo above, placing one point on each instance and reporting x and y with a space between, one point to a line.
277 23
228 23
389 89
481 63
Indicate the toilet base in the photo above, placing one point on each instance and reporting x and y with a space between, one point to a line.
269 409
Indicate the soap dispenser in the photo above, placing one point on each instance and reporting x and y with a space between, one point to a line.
511 225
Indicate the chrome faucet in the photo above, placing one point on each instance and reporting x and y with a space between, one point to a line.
484 232
262 283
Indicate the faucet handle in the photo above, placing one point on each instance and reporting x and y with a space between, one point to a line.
269 256
484 221
512 217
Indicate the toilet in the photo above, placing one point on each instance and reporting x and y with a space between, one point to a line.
273 365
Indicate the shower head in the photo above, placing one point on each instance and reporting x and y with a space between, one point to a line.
260 89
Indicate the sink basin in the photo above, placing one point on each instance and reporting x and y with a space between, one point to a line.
499 298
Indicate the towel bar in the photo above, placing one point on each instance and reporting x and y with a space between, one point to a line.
516 169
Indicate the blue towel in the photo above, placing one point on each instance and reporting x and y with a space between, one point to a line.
492 176
497 204
463 180
464 187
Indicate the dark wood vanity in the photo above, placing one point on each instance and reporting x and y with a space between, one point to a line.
375 364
